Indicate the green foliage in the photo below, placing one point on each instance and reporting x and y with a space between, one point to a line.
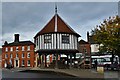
108 34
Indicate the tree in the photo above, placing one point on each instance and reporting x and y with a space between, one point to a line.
108 34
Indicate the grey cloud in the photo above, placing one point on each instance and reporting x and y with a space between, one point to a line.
28 18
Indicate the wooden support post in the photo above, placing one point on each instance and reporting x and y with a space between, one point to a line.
67 60
70 61
45 60
56 63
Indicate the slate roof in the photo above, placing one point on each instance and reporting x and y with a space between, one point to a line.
20 43
62 27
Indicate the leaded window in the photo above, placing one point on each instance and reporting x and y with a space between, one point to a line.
65 39
47 38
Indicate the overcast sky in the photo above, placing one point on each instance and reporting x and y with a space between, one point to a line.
28 18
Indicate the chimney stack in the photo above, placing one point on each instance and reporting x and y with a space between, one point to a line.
16 38
5 43
88 36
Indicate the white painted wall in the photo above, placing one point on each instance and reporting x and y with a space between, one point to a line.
60 45
94 47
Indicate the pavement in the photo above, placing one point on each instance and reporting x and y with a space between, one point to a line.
86 73
82 73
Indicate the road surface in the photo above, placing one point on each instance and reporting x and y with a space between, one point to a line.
23 75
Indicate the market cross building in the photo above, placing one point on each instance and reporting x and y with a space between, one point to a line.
55 39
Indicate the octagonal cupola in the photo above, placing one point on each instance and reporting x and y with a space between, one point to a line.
56 35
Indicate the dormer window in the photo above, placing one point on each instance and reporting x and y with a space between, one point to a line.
47 38
65 39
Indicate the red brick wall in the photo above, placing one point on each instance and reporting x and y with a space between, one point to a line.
32 55
82 46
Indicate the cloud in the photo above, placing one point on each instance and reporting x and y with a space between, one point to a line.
27 18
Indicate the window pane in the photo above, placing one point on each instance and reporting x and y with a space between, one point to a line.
28 62
11 49
6 49
47 38
16 48
28 55
28 47
65 39
23 62
22 48
6 55
10 55
23 55
16 55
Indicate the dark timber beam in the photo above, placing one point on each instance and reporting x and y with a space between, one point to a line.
45 60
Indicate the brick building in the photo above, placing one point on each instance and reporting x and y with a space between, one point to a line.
18 53
84 48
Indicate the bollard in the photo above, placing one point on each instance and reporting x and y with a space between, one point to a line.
100 69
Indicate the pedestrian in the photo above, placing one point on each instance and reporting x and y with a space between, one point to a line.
96 63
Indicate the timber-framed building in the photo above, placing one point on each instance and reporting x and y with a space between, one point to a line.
56 38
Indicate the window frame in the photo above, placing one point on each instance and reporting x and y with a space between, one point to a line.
47 38
6 55
28 55
65 39
23 48
28 48
11 55
6 49
11 48
17 55
28 61
23 61
23 56
17 48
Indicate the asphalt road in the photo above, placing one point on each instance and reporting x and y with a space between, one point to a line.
40 75
26 75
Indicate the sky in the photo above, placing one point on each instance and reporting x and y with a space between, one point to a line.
28 18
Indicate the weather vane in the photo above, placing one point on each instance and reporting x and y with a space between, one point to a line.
55 8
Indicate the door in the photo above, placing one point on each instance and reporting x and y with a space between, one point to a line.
16 63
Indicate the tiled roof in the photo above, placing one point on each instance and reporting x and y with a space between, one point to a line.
62 27
21 43
83 42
